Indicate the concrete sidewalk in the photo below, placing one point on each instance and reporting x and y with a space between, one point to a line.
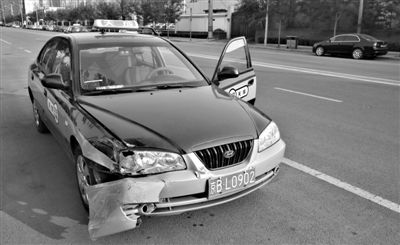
282 47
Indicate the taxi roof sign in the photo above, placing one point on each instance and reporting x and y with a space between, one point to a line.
115 24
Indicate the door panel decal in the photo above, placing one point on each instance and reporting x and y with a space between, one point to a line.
241 92
53 109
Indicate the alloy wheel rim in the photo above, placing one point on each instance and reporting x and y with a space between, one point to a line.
320 51
36 114
357 54
83 176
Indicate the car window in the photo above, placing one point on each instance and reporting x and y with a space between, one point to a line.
350 38
236 58
132 66
340 38
47 56
175 63
353 38
62 61
369 38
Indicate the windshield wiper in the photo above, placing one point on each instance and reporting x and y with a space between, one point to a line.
109 91
139 89
179 85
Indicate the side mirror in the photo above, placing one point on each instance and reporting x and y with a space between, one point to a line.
227 72
54 81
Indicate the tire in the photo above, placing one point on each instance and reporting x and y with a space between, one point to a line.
357 54
320 51
39 124
84 176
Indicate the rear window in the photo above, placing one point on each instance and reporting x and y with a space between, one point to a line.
369 38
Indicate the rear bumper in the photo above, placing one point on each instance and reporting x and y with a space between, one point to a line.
380 52
376 51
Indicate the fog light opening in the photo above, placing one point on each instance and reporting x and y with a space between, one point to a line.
146 208
276 170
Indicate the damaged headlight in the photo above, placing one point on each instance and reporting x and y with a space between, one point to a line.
149 162
268 137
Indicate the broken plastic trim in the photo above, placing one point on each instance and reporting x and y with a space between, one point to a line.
107 199
94 154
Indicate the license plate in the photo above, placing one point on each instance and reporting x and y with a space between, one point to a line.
230 183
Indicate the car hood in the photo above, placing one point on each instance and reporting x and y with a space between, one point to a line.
178 120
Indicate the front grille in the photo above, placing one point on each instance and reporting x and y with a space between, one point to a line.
213 158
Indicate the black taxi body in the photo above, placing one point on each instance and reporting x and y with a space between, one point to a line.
356 45
148 132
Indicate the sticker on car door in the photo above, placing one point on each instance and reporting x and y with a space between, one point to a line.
53 109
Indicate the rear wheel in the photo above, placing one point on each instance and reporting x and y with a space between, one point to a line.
39 124
320 51
357 54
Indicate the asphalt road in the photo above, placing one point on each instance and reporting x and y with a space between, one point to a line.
339 183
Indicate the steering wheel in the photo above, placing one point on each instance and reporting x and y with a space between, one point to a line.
157 71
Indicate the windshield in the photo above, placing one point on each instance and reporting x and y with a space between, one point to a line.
121 67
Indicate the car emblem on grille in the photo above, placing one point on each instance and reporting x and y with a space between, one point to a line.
229 154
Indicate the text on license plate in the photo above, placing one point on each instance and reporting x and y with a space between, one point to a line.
222 185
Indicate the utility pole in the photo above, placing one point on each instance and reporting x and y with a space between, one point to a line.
37 17
190 32
266 25
360 13
210 19
22 15
2 12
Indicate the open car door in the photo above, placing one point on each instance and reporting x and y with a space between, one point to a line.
234 72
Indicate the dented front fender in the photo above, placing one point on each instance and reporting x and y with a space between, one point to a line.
106 202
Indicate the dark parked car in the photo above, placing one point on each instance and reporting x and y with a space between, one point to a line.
74 29
356 45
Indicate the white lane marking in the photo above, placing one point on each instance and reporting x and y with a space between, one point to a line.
4 41
306 94
315 72
345 186
28 51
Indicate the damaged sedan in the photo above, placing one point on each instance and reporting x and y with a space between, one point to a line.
148 132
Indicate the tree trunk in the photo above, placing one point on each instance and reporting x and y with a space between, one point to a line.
337 18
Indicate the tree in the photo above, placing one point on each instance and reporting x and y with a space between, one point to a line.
173 10
381 14
107 11
161 11
128 8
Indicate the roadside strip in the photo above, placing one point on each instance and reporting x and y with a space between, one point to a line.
345 186
312 71
4 41
310 95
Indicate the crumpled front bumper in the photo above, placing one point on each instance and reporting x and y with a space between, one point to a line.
117 206
106 201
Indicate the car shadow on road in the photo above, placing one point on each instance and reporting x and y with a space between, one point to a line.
38 185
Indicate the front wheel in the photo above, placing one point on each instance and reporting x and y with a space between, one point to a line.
357 54
39 124
85 176
320 51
